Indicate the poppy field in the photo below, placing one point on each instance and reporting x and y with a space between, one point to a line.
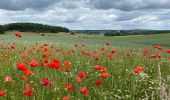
70 67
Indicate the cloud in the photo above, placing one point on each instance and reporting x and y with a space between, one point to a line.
128 5
89 14
25 4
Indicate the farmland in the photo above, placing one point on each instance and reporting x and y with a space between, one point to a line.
86 67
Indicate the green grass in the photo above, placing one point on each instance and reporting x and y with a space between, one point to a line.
121 84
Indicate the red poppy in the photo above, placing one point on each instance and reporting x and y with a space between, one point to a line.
167 51
104 74
98 83
27 86
28 72
82 74
44 56
78 79
96 57
69 87
18 35
57 66
65 98
66 63
138 69
45 44
21 66
33 63
98 67
55 60
158 47
67 70
46 82
107 43
2 93
84 91
28 92
113 51
45 49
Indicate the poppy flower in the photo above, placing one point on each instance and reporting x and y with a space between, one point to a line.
107 43
84 91
98 67
167 51
138 69
69 87
28 72
66 63
96 57
46 82
18 35
45 49
78 79
158 47
28 92
104 74
67 70
33 63
57 66
44 56
2 93
98 83
55 60
82 74
21 66
113 51
27 86
8 79
65 98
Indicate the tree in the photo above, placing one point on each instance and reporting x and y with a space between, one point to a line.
1 29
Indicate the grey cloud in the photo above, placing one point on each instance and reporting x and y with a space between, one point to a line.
128 5
24 4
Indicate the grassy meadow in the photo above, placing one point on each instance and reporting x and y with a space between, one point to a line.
84 67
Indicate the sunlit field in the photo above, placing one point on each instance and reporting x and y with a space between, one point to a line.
84 67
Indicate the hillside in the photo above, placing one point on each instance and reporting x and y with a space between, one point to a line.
32 27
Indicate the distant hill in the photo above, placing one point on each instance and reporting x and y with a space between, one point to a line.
121 32
32 27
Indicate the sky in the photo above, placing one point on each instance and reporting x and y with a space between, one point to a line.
89 14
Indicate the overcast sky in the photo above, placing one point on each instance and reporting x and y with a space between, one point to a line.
89 14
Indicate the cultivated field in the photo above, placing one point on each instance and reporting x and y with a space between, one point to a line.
84 67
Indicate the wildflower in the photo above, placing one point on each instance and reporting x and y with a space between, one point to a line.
104 74
66 63
84 91
8 79
33 63
69 87
98 83
82 74
21 66
168 51
28 92
138 69
65 98
113 51
2 93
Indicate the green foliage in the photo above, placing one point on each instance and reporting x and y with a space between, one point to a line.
135 32
42 34
34 27
72 33
1 29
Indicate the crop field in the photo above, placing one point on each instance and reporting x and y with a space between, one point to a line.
84 67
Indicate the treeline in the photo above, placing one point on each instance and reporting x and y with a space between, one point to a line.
32 27
135 32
